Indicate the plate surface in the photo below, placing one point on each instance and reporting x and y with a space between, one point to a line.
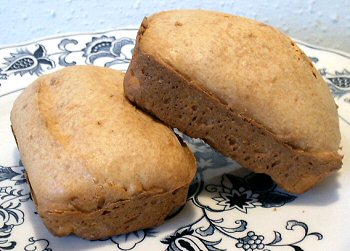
228 208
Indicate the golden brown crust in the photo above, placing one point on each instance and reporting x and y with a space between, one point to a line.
86 148
179 102
144 211
252 68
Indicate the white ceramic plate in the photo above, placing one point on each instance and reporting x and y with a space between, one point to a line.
228 208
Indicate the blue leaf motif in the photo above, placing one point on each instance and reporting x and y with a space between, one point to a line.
39 52
296 248
62 46
211 245
259 182
118 45
46 61
277 238
179 233
20 182
205 232
221 220
226 182
5 231
194 187
232 182
242 226
24 61
275 199
314 59
9 245
14 213
6 173
2 214
293 223
318 235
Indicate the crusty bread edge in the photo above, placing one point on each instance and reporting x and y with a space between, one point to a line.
143 210
149 78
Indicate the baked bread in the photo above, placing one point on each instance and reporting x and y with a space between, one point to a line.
97 166
243 87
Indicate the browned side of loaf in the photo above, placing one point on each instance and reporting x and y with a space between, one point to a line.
120 217
179 102
129 175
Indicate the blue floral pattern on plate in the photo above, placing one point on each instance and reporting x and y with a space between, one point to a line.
228 208
23 61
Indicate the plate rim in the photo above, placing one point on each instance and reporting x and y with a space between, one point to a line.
135 28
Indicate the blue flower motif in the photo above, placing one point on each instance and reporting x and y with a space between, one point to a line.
245 193
24 61
104 46
11 197
186 240
240 199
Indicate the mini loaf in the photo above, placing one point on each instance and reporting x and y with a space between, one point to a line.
97 166
243 87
